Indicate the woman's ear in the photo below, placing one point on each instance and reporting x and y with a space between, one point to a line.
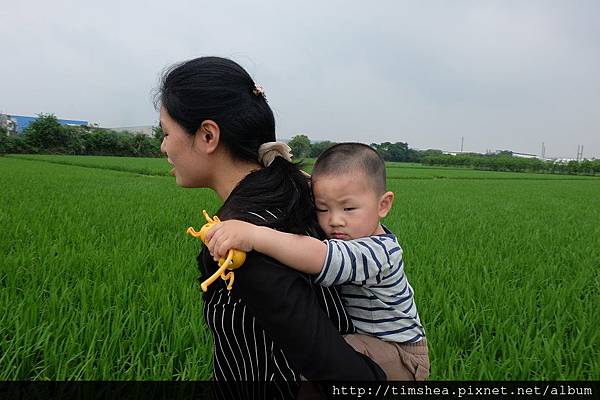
208 136
385 204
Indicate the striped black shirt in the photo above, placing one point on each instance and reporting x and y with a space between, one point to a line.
275 325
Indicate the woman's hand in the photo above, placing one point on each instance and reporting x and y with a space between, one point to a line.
229 235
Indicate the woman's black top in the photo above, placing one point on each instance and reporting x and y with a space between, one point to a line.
275 325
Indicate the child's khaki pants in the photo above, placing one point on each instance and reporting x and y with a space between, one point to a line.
399 361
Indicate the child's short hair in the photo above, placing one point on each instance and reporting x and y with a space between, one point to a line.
350 157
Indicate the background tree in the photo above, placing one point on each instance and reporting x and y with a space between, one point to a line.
394 151
45 133
3 140
101 142
158 136
73 136
157 133
300 145
317 148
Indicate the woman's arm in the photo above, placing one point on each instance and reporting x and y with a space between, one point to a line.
303 253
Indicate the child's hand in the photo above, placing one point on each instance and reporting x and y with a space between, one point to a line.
230 235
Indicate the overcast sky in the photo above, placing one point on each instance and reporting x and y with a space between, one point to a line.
501 74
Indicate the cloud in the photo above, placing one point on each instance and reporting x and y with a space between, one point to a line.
502 74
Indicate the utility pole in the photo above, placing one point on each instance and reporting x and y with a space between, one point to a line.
579 152
462 141
543 151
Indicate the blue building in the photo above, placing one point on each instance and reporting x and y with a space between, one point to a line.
17 123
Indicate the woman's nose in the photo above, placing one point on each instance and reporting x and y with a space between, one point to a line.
162 147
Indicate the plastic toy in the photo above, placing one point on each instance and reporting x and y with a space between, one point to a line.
235 258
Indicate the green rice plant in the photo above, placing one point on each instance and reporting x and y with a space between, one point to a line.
98 275
508 270
98 279
139 165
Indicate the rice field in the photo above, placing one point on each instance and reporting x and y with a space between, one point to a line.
98 278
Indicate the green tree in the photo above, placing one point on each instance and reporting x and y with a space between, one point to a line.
398 151
157 133
158 136
18 145
143 146
587 167
74 143
300 145
3 140
101 142
45 133
573 167
392 151
317 148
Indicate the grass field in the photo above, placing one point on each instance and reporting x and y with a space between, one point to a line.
98 278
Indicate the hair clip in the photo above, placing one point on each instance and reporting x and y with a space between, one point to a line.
259 91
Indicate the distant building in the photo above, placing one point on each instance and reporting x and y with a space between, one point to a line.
524 155
143 129
15 124
497 153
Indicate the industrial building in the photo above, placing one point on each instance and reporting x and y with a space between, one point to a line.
15 124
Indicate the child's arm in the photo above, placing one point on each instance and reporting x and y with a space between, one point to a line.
302 253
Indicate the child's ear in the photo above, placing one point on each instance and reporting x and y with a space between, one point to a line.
385 203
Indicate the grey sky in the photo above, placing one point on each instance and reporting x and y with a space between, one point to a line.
503 74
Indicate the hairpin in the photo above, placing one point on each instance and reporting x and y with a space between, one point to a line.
259 91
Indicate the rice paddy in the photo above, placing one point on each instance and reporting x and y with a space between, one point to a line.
98 278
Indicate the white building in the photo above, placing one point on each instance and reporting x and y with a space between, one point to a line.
143 129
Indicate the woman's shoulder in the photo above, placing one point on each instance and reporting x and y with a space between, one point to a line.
261 215
272 217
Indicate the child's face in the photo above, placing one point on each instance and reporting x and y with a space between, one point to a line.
348 207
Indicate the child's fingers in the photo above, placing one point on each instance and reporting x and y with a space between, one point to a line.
219 243
211 232
209 240
212 242
224 248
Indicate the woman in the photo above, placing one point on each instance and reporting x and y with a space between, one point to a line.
274 325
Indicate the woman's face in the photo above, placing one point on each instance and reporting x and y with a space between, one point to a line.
189 166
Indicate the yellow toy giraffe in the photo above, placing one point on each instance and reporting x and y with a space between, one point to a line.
235 258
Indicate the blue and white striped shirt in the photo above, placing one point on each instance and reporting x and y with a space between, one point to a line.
374 288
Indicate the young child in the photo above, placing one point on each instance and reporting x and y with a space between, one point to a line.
360 255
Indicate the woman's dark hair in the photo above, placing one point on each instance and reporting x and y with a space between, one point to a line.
221 90
282 190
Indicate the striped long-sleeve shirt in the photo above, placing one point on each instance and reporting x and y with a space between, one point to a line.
374 287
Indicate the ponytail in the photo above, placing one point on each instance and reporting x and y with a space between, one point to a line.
281 189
